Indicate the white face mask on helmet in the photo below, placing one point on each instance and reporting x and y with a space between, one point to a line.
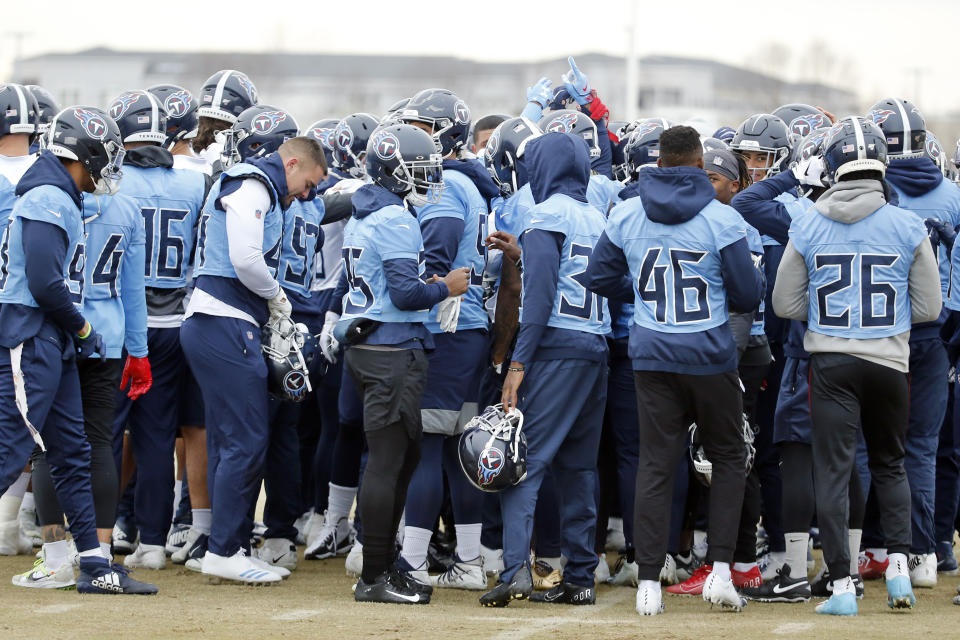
108 182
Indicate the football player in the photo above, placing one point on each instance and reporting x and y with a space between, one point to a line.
223 97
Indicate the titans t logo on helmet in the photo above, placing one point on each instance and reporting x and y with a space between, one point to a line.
563 124
324 136
804 124
121 104
880 116
267 121
385 144
344 136
461 112
645 128
178 103
490 465
92 123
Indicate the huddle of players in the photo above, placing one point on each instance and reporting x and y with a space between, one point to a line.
667 266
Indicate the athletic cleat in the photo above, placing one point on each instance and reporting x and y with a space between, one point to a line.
236 568
389 587
624 573
40 577
839 604
194 548
782 589
12 540
649 601
354 563
328 541
519 588
668 573
176 538
492 560
566 593
545 577
693 586
146 556
870 569
686 565
946 561
102 578
602 571
418 575
283 572
900 593
822 585
278 552
29 526
462 575
923 570
746 579
125 536
722 593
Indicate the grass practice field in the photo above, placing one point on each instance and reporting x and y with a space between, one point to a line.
316 603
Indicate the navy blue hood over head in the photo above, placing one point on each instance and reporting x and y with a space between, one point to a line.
372 197
914 176
48 170
673 195
558 163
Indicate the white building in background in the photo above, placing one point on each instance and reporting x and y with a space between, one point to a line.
314 86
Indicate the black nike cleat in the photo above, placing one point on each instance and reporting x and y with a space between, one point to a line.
822 586
783 588
389 587
519 588
566 593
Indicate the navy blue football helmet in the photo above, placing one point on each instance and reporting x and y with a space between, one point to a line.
140 116
91 137
289 349
258 131
573 122
19 112
350 140
643 145
768 134
809 146
493 449
322 131
618 166
447 116
902 124
181 108
504 149
392 114
225 95
404 160
854 144
802 119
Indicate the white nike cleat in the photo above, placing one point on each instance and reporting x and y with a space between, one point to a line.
649 601
331 539
923 570
278 552
462 575
40 577
236 568
354 563
723 593
12 540
147 556
668 574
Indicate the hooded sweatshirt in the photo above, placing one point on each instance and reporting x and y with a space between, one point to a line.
852 306
682 257
559 318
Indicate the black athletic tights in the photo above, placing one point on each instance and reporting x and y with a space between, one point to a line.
799 499
393 457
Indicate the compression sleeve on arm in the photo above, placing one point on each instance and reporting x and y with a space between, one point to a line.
245 237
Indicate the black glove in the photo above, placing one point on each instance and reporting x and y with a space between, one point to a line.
92 344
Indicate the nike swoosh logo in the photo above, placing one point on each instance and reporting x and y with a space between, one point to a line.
778 589
277 559
548 598
54 213
415 598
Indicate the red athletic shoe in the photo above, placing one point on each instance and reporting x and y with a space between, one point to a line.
692 586
752 578
871 569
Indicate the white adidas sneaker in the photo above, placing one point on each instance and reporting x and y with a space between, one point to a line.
236 568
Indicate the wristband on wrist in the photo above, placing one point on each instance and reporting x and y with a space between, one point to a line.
520 369
86 331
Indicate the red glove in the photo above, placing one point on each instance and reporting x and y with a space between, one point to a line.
136 372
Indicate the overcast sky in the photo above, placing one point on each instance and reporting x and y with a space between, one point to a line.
835 41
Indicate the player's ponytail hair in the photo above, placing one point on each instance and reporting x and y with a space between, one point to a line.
206 132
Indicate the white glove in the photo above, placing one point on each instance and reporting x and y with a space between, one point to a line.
448 313
329 345
809 172
279 305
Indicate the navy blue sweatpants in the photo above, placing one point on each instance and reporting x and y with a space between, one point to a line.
566 436
225 356
55 408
